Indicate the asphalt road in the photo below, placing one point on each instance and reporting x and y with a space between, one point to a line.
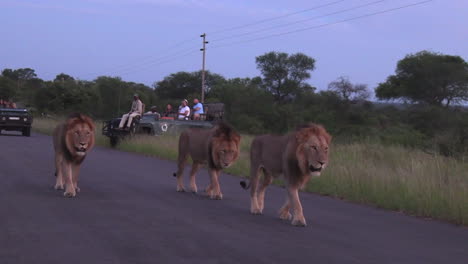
129 212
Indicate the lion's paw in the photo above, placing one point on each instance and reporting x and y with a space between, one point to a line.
218 196
209 190
194 189
180 189
285 215
77 189
69 194
299 221
58 187
256 211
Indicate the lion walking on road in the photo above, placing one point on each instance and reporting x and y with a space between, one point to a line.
72 140
297 156
218 147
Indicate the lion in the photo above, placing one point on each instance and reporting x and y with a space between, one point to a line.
72 139
217 147
297 156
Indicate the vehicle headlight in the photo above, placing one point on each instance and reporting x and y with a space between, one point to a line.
25 119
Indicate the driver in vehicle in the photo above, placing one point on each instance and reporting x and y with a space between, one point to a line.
184 110
153 111
136 110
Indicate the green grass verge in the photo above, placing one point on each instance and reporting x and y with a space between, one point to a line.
389 177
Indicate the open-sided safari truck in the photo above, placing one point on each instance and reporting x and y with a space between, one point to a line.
154 124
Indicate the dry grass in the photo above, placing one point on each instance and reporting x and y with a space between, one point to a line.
394 178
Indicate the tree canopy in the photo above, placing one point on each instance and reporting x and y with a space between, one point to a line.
427 77
186 84
284 75
348 91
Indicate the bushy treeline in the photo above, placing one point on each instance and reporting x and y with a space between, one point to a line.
280 99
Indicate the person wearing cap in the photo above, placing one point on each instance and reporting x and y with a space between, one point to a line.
153 110
184 110
197 109
136 110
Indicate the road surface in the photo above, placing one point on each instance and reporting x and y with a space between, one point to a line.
129 212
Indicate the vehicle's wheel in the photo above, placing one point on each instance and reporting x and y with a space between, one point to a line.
27 131
114 141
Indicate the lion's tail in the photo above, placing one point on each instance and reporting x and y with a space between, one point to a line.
244 185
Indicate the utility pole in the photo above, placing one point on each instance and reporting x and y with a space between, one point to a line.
203 67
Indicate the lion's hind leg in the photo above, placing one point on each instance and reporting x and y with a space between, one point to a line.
284 211
267 180
193 172
58 172
254 177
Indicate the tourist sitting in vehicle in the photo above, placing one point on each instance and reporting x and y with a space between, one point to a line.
184 110
7 104
153 111
136 110
169 112
197 109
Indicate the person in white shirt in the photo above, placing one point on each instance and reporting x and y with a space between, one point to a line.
184 110
136 110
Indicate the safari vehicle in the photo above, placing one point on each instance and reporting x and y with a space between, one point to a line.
16 119
153 124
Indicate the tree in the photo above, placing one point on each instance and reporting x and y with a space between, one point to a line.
23 83
283 74
22 74
248 107
185 84
348 91
427 77
62 77
7 88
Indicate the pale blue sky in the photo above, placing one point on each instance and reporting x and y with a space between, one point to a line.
87 38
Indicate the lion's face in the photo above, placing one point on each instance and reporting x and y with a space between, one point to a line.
312 152
80 137
225 152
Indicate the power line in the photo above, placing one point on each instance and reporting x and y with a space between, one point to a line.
146 60
151 60
275 18
155 60
152 65
324 25
299 21
171 57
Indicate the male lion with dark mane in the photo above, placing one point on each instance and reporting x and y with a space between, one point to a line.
73 139
218 147
297 156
